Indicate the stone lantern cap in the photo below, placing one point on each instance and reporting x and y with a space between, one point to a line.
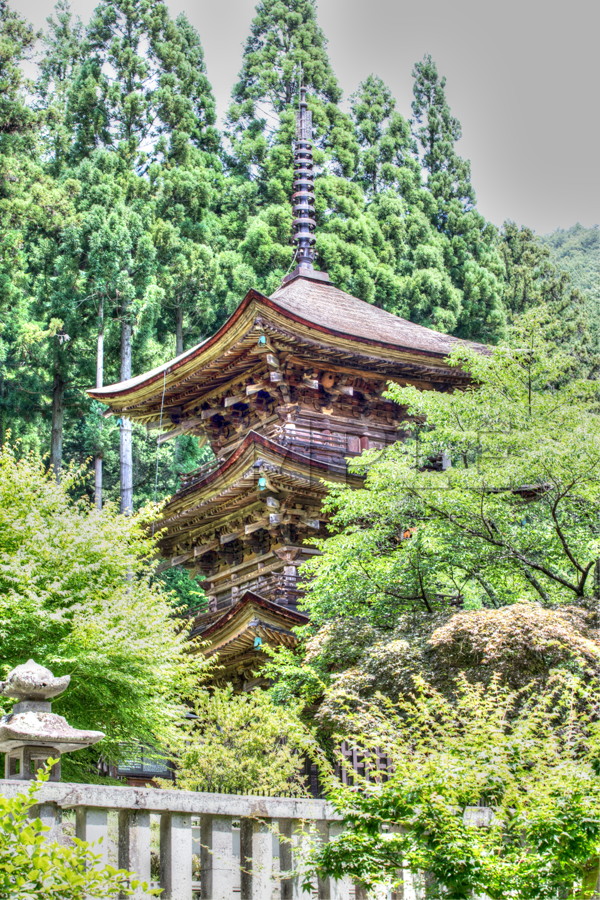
31 681
31 721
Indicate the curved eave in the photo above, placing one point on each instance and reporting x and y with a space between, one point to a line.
199 493
126 394
157 375
250 599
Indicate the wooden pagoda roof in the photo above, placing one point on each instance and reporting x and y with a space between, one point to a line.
308 310
225 491
251 616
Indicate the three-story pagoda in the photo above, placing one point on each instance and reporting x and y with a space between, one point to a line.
285 392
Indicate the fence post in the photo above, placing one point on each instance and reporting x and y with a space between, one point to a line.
285 857
256 842
218 866
341 889
51 816
134 845
176 855
591 879
91 825
323 884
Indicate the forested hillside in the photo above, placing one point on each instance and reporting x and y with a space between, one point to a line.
577 251
133 225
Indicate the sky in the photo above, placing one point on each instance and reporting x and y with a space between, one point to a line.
522 78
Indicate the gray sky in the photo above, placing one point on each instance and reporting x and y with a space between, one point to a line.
522 79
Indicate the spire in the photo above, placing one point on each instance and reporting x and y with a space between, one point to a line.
303 198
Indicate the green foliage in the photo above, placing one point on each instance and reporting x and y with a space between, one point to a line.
576 250
518 644
244 744
77 590
515 515
189 596
348 661
31 866
531 761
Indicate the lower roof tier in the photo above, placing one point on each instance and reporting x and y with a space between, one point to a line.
237 637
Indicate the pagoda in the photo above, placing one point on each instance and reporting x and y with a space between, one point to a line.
287 390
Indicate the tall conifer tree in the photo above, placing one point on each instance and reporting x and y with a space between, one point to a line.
410 276
55 259
18 167
33 208
470 250
286 47
187 177
387 147
143 150
18 126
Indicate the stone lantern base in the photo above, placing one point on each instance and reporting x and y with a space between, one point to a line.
22 763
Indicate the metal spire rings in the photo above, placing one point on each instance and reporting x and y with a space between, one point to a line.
303 198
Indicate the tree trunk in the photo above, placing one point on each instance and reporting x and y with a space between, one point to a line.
99 384
58 419
126 454
178 331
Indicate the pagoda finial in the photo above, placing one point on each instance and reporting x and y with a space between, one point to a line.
303 198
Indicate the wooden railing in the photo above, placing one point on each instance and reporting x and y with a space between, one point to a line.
193 845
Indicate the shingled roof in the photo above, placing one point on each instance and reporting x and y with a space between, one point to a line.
308 307
329 309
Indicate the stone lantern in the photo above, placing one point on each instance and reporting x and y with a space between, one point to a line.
31 733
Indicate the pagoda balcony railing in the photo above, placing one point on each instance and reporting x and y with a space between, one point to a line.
315 439
280 588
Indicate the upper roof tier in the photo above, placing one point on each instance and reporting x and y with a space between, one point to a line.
333 311
306 310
